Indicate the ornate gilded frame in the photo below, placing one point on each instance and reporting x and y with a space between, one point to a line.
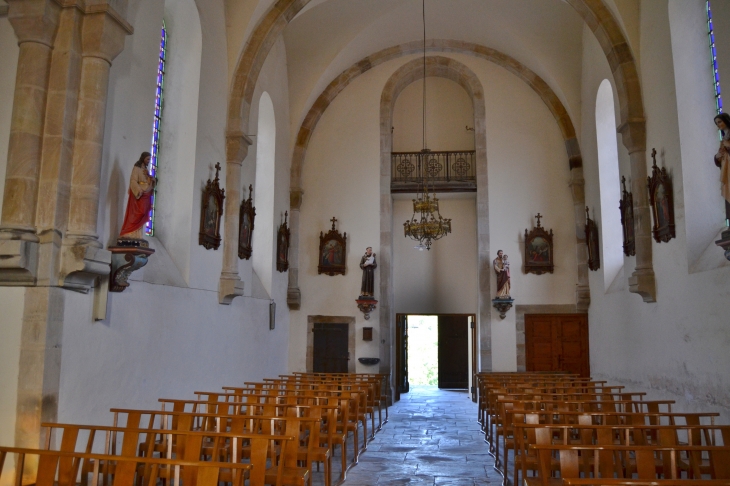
539 250
626 206
246 217
594 256
332 256
662 202
210 213
282 246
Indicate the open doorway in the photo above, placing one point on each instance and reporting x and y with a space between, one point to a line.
435 350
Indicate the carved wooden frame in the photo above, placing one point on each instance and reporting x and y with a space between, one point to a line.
592 242
210 227
626 206
282 246
245 243
339 239
660 180
532 266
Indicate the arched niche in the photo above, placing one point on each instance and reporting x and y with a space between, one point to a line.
608 176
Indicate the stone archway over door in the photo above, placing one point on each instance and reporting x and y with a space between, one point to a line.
595 14
443 67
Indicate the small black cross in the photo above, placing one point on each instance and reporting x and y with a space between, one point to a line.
653 155
334 220
217 168
539 216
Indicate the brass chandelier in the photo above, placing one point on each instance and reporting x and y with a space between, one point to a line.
426 225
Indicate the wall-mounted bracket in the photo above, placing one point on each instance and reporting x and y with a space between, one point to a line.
127 257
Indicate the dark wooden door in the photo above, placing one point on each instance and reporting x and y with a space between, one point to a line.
473 330
453 332
330 348
401 355
557 342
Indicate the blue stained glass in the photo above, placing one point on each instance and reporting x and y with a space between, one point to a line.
149 228
713 56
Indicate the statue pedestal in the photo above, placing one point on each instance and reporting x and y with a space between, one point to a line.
724 242
502 305
366 305
129 255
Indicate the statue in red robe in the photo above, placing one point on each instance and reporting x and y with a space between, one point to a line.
139 202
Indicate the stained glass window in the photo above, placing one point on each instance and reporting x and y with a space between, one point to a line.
713 55
155 150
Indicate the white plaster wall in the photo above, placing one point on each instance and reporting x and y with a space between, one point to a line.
528 173
444 279
448 112
9 61
164 336
11 322
676 347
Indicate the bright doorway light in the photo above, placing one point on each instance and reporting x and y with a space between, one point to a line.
423 350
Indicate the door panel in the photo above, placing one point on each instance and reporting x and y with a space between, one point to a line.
557 343
453 352
401 355
330 348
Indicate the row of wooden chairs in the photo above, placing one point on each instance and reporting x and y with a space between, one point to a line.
271 432
551 428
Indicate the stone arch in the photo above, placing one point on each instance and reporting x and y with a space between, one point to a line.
595 14
444 67
543 90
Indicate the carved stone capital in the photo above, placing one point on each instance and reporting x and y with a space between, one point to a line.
229 288
633 134
34 20
724 243
643 282
82 265
237 144
103 32
18 262
295 198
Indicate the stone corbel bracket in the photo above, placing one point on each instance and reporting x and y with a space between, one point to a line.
82 265
125 260
724 243
18 262
502 306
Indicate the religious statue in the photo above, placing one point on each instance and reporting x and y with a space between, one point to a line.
368 265
141 185
501 267
722 159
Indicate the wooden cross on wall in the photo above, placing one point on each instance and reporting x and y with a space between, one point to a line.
539 216
217 169
334 220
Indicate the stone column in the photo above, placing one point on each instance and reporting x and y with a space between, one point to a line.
642 281
102 38
230 285
35 23
577 189
293 294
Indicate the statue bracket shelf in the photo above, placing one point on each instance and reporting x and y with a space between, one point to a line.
127 257
366 305
502 305
369 361
724 243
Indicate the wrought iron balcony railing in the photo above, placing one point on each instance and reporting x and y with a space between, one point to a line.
448 171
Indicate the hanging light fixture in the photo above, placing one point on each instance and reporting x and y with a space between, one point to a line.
426 225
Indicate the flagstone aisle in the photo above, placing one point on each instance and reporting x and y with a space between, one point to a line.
432 438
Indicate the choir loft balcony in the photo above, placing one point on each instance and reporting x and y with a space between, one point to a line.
448 171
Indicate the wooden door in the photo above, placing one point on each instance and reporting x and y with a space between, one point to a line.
557 342
330 348
473 328
401 355
453 353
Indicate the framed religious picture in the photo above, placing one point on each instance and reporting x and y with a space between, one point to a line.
246 217
539 249
662 204
282 246
210 213
332 252
626 206
594 258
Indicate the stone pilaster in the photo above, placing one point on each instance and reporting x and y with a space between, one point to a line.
230 285
642 281
102 38
35 23
293 294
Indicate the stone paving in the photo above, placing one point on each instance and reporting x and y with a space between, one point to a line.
432 438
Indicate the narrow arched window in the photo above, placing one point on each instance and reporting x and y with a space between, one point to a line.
713 59
156 123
